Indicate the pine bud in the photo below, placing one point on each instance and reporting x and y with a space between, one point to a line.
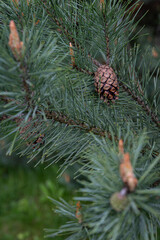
126 169
14 41
78 212
102 4
126 172
72 54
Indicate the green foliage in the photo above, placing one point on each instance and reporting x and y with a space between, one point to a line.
49 110
25 209
141 216
56 86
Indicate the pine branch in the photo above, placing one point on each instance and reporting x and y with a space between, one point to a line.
24 77
69 123
17 47
64 119
5 99
61 118
132 93
95 62
107 45
68 34
4 117
74 65
105 33
107 210
59 24
83 70
141 103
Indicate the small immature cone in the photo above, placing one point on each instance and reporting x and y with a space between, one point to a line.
119 202
78 213
126 172
72 54
14 41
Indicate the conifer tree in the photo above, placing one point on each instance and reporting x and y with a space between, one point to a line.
75 89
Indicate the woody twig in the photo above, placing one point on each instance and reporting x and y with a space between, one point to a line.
145 106
68 34
74 65
102 7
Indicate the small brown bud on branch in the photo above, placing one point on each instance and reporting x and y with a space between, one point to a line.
14 41
72 55
126 170
78 212
102 5
121 148
101 2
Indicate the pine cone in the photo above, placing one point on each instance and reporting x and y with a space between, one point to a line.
106 83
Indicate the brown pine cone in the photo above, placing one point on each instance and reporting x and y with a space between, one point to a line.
106 83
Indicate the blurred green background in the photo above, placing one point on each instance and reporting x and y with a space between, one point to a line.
25 209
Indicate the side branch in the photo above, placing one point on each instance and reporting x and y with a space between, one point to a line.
60 25
68 34
142 103
84 71
102 6
63 119
17 48
107 45
74 65
107 41
25 84
5 99
59 117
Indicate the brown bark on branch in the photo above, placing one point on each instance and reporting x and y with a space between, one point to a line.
141 103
